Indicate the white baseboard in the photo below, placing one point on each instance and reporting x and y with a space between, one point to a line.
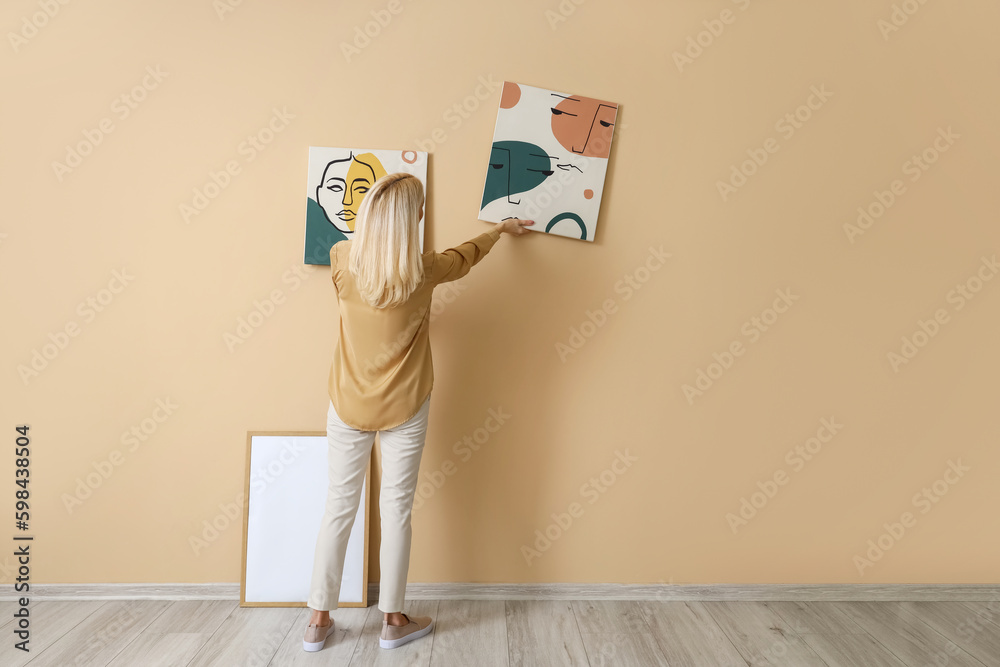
466 591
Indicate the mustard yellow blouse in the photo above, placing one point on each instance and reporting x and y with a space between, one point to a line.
382 370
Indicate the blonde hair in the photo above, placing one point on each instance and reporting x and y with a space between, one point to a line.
385 252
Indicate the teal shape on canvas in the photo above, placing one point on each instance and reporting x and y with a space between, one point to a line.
320 234
568 216
515 167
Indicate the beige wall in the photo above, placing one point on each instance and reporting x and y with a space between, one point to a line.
161 336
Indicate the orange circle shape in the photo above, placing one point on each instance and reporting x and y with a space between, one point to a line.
510 95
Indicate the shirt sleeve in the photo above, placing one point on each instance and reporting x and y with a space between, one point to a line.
455 262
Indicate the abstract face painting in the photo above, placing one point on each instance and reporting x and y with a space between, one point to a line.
338 180
344 184
548 160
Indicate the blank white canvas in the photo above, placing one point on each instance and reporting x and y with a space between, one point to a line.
288 488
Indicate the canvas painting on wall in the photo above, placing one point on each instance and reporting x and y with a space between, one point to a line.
548 160
338 179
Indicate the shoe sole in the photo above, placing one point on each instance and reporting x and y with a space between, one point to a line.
316 646
394 643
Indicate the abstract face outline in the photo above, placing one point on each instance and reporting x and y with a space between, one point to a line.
344 184
515 166
584 125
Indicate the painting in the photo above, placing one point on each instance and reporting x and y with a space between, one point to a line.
338 179
285 491
548 160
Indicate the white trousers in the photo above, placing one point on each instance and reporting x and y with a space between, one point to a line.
349 452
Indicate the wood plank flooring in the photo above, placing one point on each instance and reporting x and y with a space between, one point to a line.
523 633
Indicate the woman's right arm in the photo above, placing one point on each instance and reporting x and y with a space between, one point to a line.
456 262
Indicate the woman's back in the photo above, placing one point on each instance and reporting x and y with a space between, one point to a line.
382 371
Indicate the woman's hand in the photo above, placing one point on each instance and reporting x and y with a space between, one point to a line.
514 226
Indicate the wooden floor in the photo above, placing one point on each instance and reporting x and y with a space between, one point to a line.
485 633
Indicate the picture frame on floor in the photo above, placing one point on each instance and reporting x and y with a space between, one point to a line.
284 498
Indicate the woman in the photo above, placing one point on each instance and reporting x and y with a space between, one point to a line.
380 381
